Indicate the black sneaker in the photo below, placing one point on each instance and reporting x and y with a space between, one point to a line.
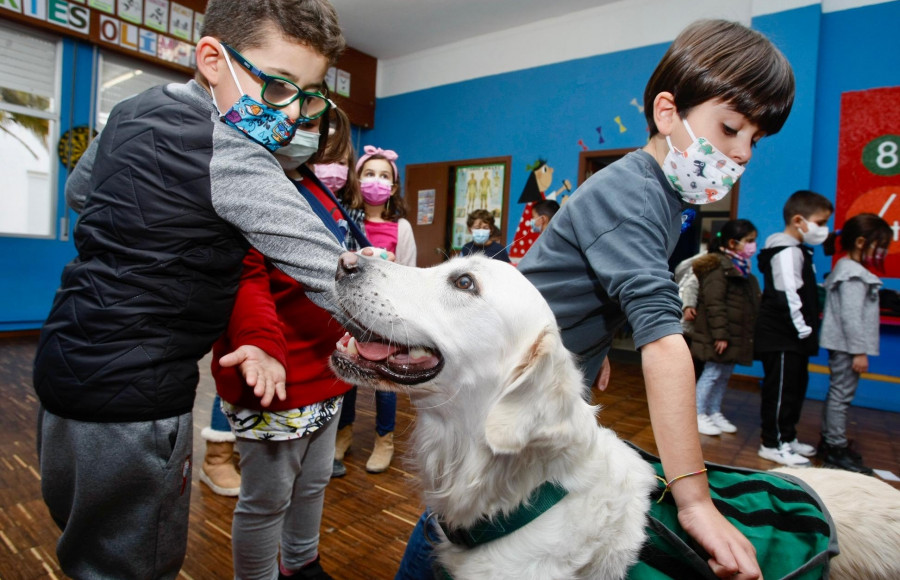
312 571
823 448
338 469
840 458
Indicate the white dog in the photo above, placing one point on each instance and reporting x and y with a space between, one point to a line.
500 412
866 513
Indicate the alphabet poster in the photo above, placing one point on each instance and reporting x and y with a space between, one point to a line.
868 179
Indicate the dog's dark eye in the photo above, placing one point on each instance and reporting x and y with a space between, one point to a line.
465 282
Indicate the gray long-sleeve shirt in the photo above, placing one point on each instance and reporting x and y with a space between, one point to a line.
250 191
851 320
604 259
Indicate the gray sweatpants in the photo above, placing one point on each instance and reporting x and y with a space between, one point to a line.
841 390
281 500
120 493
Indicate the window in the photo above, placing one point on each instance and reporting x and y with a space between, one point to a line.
122 77
29 124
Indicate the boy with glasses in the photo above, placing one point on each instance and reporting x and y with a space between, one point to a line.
182 181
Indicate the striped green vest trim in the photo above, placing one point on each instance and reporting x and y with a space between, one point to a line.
782 517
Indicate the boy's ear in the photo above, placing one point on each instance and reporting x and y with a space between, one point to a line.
209 62
664 113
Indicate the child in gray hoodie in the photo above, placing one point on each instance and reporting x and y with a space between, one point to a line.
850 330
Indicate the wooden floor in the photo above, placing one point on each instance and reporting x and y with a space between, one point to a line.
367 517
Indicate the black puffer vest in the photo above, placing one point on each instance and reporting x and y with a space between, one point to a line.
775 331
157 270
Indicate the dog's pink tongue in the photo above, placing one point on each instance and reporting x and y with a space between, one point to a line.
375 350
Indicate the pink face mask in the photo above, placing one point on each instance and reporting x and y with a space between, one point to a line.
375 191
333 175
748 250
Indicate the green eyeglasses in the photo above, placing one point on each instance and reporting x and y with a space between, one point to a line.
280 92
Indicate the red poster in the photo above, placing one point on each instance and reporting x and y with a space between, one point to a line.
868 179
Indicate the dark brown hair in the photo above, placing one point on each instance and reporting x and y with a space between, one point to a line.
870 227
545 207
483 215
242 23
717 59
339 147
805 203
735 230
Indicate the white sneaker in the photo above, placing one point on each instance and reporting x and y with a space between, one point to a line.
783 455
802 448
724 425
706 426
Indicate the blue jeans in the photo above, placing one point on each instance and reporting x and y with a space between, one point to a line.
217 420
418 559
385 411
711 387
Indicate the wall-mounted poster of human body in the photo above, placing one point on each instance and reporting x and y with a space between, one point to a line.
477 187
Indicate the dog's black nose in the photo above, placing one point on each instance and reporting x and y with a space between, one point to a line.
348 265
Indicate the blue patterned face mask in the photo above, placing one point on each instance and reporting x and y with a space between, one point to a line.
267 126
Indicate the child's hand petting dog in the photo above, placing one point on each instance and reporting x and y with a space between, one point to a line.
262 372
372 251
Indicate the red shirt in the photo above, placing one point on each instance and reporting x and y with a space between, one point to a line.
271 311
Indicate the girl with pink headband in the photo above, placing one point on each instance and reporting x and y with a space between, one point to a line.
386 227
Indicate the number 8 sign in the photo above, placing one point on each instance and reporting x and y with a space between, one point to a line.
868 179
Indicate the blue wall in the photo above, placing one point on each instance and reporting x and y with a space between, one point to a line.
858 50
544 111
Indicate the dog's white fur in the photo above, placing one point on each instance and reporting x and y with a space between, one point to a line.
866 513
504 415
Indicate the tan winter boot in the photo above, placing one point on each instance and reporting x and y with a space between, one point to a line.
218 471
381 456
343 441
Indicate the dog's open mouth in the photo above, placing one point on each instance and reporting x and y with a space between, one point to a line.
380 358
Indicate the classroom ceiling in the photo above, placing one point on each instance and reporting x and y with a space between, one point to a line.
389 29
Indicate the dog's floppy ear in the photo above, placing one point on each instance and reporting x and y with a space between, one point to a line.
535 406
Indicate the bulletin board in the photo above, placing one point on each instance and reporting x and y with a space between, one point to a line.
868 178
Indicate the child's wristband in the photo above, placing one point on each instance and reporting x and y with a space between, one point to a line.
669 483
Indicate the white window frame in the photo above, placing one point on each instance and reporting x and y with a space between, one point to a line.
54 116
123 60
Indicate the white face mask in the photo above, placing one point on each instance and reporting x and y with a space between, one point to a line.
701 173
814 234
298 151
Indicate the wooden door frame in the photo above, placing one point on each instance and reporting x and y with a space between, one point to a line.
449 168
584 156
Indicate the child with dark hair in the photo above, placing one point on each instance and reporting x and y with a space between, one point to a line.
850 330
727 302
541 214
603 260
160 246
386 227
484 233
786 330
